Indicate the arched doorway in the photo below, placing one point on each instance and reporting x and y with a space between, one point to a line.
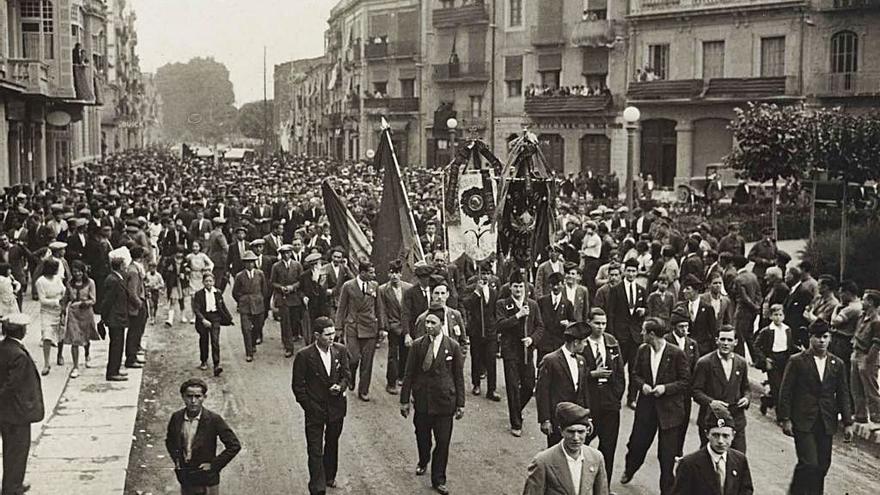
658 153
553 147
596 154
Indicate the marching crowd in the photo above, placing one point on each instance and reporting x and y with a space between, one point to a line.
625 311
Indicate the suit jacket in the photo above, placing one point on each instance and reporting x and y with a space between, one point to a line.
21 394
805 399
764 345
725 311
234 256
390 308
311 383
77 248
555 384
691 349
316 292
710 383
271 246
204 445
198 229
748 298
674 374
795 304
218 249
581 304
623 321
696 475
250 292
551 337
357 313
200 309
114 301
440 390
134 284
429 246
605 396
480 311
286 276
454 326
414 304
544 271
513 329
334 282
692 264
704 328
548 473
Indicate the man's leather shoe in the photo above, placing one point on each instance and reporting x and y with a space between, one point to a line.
258 341
517 432
493 396
218 370
331 483
249 359
134 365
365 397
632 405
141 360
476 390
117 378
442 489
25 487
287 354
391 389
625 478
122 373
420 470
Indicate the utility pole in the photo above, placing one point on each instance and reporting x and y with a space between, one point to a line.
265 109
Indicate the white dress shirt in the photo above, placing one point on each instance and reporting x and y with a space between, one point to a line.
325 358
719 462
694 307
435 345
210 301
780 339
726 365
820 365
570 293
656 356
190 426
572 366
575 466
555 299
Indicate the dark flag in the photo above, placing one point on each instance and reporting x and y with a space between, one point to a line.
525 222
344 229
395 235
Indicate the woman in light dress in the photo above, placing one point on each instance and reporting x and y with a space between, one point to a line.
79 321
9 288
199 264
50 291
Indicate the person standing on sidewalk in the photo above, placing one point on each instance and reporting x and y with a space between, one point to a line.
321 374
191 442
248 290
137 308
479 300
812 396
114 315
21 403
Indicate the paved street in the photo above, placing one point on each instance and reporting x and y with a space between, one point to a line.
378 446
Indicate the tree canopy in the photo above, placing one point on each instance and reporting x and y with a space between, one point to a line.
198 100
250 120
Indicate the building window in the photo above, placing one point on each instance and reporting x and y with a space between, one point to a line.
476 106
513 74
773 56
380 89
447 4
713 59
514 88
37 29
844 52
407 88
658 61
514 13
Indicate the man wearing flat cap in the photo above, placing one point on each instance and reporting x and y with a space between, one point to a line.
451 321
570 466
21 402
813 395
562 377
715 469
763 253
249 290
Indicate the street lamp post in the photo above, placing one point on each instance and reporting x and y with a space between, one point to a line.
631 116
452 124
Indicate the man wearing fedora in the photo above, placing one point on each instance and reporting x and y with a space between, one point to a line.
249 290
716 468
287 296
570 466
562 377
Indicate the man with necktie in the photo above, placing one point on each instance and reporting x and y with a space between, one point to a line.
285 280
715 469
562 377
358 316
249 290
415 302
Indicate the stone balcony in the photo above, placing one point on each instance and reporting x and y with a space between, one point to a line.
717 89
463 15
842 5
388 106
847 84
395 49
32 75
568 105
651 7
462 72
550 34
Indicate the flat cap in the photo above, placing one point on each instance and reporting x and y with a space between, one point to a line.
16 320
578 329
313 257
57 245
718 418
249 256
569 413
285 247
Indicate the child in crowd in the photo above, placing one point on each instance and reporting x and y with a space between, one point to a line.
154 284
773 346
660 302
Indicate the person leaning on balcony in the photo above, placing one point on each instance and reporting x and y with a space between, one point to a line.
79 55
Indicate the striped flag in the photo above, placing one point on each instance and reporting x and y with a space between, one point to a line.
395 229
344 229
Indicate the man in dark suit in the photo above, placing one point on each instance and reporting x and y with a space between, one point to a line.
264 263
237 248
721 382
562 377
338 272
813 394
747 294
285 280
358 316
249 292
21 402
434 380
763 252
700 315
431 241
135 275
200 227
415 302
390 300
518 320
803 290
556 264
692 263
715 469
479 301
321 374
720 303
191 442
210 314
662 378
77 241
113 309
626 310
556 313
577 294
274 239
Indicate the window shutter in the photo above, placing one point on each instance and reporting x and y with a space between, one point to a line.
513 68
379 25
595 61
549 62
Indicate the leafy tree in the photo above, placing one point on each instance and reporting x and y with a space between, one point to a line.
250 119
198 100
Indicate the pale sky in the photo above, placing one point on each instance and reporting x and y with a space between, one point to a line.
234 33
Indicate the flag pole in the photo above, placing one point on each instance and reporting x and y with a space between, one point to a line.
386 132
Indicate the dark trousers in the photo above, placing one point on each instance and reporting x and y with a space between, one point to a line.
645 425
221 278
136 325
591 268
249 324
745 333
774 376
813 450
841 346
115 350
16 446
291 324
210 334
483 359
519 382
628 350
688 404
361 352
441 429
322 444
606 426
396 367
